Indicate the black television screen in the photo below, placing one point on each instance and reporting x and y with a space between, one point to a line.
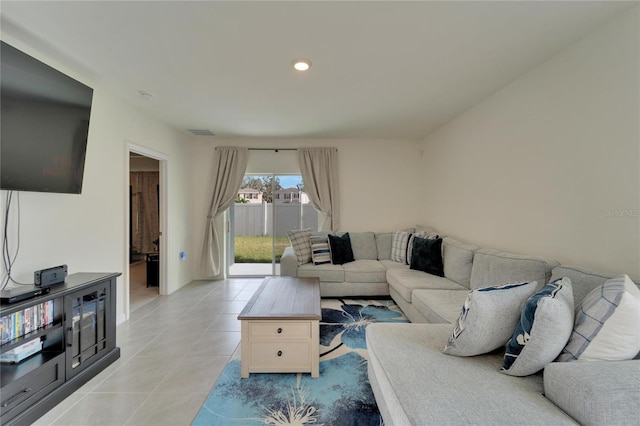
44 125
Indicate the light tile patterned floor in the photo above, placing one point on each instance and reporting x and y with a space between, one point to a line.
172 350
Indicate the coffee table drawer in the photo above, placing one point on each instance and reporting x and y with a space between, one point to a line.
287 330
284 356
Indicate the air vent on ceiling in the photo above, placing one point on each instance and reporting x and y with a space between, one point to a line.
201 132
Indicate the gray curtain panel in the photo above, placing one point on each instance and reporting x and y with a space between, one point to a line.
319 169
229 165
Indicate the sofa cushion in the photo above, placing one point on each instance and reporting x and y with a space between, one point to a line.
415 383
299 239
582 280
340 247
363 245
606 323
488 318
439 306
426 255
326 273
320 253
399 246
492 267
457 260
383 245
544 328
365 271
390 264
404 281
595 393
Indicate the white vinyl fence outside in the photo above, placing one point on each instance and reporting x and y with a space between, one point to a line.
253 220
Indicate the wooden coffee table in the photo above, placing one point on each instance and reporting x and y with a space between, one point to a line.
280 327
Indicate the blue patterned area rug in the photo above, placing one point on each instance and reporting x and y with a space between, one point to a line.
340 396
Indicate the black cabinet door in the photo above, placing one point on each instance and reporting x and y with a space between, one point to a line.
89 326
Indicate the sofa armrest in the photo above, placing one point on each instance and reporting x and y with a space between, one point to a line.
289 263
595 392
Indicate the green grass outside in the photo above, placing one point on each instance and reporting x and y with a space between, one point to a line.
258 249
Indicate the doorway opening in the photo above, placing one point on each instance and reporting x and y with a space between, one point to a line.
267 206
144 229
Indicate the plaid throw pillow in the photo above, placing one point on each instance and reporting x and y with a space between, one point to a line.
399 245
301 244
606 323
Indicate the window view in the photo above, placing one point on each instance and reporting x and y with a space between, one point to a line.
267 206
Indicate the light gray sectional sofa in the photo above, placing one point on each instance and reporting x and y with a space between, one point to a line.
415 383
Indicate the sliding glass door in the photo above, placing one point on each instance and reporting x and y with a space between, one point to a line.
267 206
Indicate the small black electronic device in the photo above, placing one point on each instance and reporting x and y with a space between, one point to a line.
21 293
50 276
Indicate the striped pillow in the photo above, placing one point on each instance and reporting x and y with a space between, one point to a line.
320 253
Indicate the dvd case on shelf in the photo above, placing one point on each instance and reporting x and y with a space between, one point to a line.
25 321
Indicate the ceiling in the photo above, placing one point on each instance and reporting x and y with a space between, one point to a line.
381 69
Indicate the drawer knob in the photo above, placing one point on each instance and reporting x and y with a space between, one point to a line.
279 330
279 353
15 397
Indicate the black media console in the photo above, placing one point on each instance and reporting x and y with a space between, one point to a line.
72 328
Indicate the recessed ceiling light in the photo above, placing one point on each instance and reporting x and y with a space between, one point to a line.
145 95
301 64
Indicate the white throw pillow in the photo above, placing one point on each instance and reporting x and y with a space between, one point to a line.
488 318
544 328
607 324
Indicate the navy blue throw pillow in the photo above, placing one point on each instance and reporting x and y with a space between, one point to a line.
341 252
427 256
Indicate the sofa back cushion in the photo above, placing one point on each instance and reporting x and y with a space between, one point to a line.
491 267
383 244
363 245
458 261
582 280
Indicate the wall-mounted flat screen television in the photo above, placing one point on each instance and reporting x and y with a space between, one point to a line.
44 121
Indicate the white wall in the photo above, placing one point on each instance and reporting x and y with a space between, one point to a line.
88 231
378 180
550 165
